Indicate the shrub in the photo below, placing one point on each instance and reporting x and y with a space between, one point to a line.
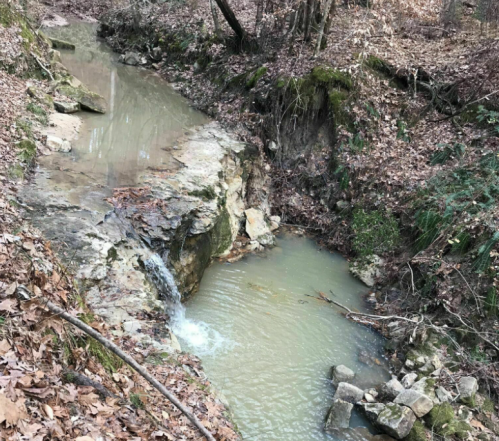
376 232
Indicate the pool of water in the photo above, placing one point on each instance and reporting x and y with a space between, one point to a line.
145 116
267 343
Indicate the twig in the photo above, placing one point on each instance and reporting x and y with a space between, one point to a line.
42 66
132 363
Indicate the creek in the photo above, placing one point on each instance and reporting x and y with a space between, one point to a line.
266 341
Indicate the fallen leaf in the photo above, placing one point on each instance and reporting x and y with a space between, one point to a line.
8 305
9 412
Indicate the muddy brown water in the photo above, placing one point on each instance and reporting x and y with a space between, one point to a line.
265 344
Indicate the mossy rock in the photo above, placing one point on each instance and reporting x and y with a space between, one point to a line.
443 421
332 77
259 73
417 433
378 64
88 100
40 96
26 150
61 44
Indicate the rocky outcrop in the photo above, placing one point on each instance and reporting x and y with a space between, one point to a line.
418 402
87 100
192 216
66 107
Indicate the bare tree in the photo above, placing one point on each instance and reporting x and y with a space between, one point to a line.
232 20
216 23
328 9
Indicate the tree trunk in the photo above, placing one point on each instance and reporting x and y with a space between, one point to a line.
218 31
231 19
259 17
307 19
328 10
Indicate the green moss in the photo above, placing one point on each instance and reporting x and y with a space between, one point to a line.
23 126
16 172
7 17
106 358
440 417
259 73
136 401
39 112
417 433
112 254
26 151
488 405
378 64
332 77
222 233
207 193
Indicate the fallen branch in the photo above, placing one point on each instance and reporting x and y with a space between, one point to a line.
132 363
82 380
42 66
376 317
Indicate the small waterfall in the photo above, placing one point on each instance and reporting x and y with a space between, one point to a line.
165 283
197 334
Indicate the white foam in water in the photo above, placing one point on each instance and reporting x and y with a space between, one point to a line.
198 334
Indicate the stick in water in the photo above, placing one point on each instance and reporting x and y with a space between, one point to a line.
131 362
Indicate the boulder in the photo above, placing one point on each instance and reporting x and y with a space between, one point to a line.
57 144
273 147
257 228
443 395
409 380
275 222
468 387
131 58
339 415
432 364
88 100
418 402
426 386
342 374
55 56
396 421
372 410
391 389
61 44
64 107
368 272
348 392
157 53
369 398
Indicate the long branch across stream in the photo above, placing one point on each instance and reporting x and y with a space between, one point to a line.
265 343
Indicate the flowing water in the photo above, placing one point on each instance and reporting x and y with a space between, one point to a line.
266 342
145 116
268 346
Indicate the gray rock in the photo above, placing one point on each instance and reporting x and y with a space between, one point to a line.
409 380
257 228
64 107
396 421
342 374
391 389
468 387
418 402
339 415
57 144
369 398
55 56
131 58
348 392
372 410
275 222
409 364
432 363
426 386
61 44
157 54
273 147
368 273
443 395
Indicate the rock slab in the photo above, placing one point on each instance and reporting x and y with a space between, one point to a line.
339 415
257 228
396 421
349 393
418 402
468 387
